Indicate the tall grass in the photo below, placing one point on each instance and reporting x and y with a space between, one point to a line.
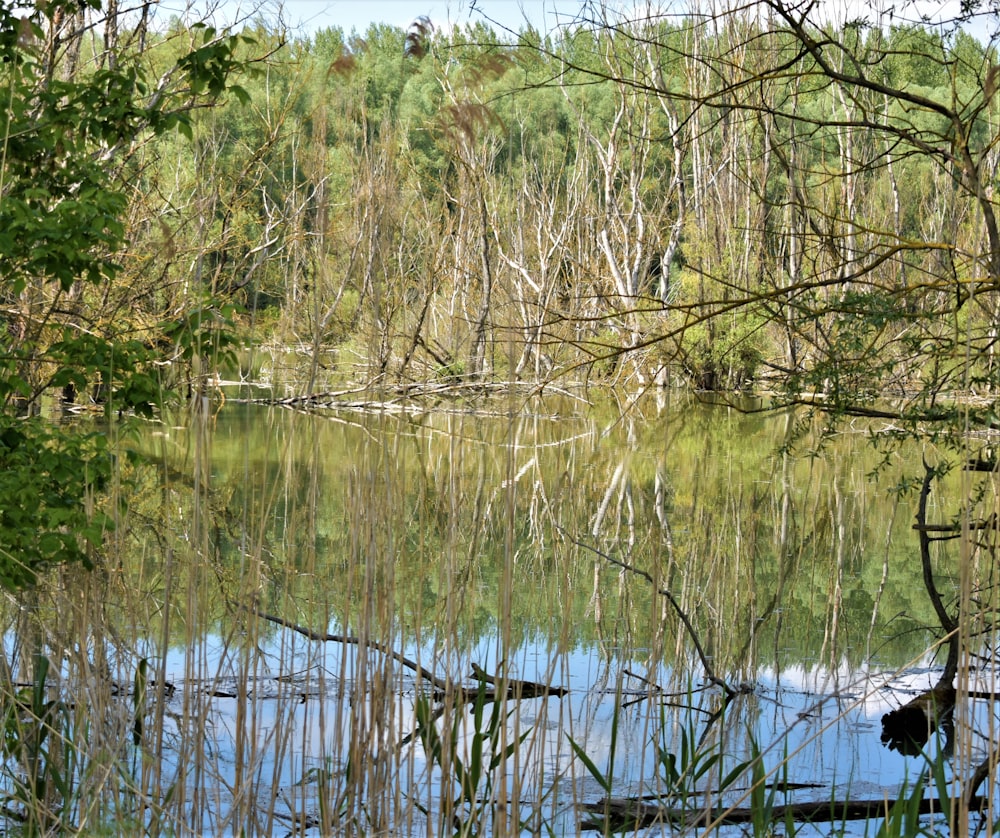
151 696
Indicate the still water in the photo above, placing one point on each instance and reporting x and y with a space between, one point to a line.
539 541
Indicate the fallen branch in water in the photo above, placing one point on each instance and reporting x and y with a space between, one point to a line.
509 689
909 727
513 688
439 683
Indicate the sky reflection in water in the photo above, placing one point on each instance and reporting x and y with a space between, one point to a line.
785 560
826 722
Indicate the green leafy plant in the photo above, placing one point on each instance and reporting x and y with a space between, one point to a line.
684 771
36 741
62 233
47 476
902 820
761 793
908 816
472 773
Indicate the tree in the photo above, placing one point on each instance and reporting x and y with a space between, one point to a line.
75 112
857 162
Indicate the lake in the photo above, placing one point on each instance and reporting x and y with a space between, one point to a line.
284 635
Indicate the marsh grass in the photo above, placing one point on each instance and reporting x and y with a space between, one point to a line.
149 696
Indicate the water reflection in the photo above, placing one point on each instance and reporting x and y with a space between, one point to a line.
783 557
821 725
461 537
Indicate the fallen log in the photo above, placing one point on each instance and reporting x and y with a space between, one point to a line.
512 688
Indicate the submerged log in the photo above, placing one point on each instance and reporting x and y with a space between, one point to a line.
616 814
516 689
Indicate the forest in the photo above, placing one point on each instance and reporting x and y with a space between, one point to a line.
746 202
749 201
743 203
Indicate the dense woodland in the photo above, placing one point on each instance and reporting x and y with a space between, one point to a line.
695 201
706 195
727 204
761 199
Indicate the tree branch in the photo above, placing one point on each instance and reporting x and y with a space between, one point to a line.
709 672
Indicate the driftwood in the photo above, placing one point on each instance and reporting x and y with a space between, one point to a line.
616 813
515 689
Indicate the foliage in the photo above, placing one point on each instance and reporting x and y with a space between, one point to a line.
48 481
65 128
471 772
692 778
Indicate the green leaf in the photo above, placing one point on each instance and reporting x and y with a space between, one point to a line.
240 94
595 772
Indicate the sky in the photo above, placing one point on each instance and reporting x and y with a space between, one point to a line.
358 14
306 16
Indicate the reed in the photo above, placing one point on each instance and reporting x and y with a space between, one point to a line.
403 557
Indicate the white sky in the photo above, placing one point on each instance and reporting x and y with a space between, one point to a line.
351 14
306 16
